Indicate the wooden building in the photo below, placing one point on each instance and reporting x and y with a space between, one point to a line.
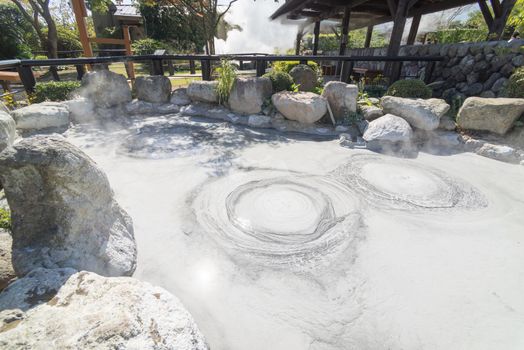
355 14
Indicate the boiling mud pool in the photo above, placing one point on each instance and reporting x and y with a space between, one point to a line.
282 242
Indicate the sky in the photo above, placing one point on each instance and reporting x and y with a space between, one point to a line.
260 34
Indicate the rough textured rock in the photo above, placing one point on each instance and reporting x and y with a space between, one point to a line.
499 152
304 76
63 211
249 94
388 128
179 97
371 113
259 121
81 110
42 116
496 115
61 309
203 91
153 88
7 273
167 108
105 88
419 113
342 98
7 130
446 123
140 107
304 107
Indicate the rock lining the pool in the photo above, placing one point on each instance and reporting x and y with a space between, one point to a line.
426 118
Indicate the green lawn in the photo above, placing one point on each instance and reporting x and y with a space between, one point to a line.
179 79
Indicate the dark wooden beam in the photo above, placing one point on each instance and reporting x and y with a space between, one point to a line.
392 70
316 36
344 36
369 35
484 8
497 8
414 29
392 7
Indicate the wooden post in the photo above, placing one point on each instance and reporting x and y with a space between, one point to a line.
206 69
369 35
158 67
79 8
344 36
192 69
414 29
496 22
345 73
240 65
28 79
316 33
80 71
399 11
261 67
129 52
428 71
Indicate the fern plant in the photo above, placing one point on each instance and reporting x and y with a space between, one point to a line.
226 77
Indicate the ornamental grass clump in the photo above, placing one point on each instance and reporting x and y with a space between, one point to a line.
226 77
412 88
5 219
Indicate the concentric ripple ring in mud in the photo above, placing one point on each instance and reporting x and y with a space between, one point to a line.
401 184
277 217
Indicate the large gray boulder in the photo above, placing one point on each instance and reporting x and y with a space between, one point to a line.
304 76
7 130
388 130
203 91
63 211
496 115
342 98
153 88
105 88
303 107
65 309
419 113
42 116
249 94
179 97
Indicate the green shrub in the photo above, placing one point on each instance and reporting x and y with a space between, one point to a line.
287 66
280 80
148 46
226 77
515 87
54 91
412 88
5 219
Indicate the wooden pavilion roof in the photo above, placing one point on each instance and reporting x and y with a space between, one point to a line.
363 12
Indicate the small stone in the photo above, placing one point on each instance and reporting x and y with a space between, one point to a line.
140 107
342 98
422 114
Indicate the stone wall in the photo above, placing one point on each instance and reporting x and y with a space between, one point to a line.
468 69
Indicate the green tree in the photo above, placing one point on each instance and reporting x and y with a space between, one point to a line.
14 29
516 18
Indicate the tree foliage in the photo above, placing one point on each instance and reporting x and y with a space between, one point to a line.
15 31
516 18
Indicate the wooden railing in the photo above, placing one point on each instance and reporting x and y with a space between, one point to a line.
346 62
